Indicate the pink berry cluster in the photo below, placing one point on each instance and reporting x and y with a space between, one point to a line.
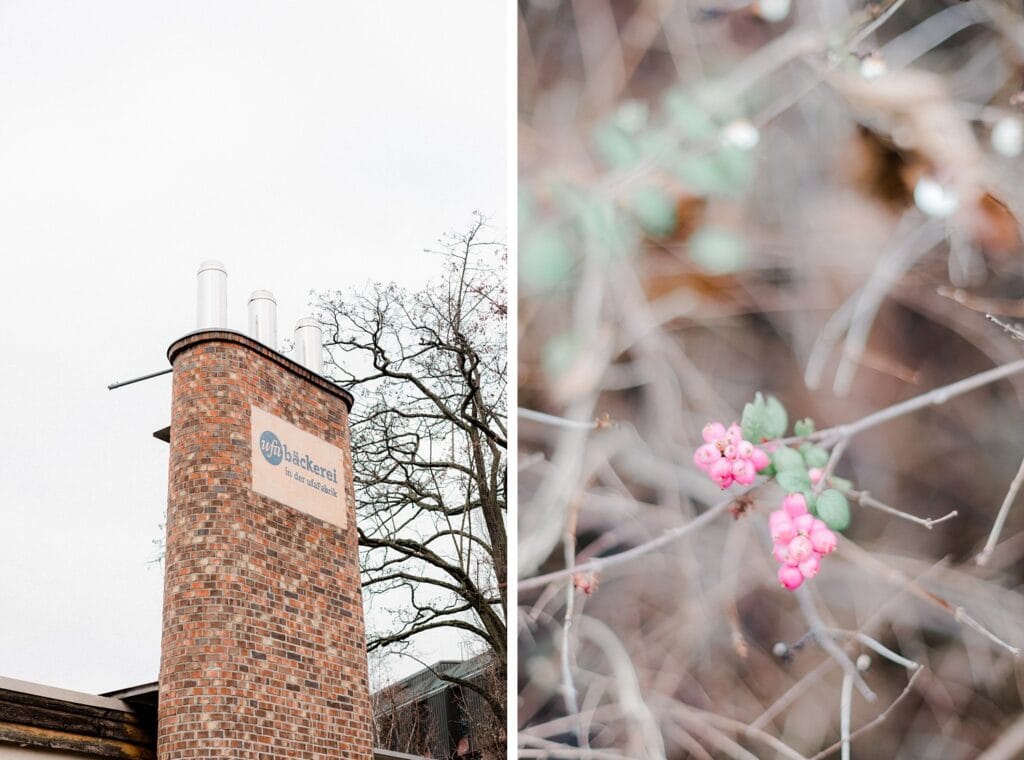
801 540
726 457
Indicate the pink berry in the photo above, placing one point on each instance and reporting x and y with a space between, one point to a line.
781 552
720 468
790 577
803 523
815 474
706 455
745 449
730 452
795 504
713 431
781 526
734 434
800 548
759 459
810 566
721 472
823 540
743 472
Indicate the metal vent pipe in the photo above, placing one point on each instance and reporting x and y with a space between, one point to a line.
213 295
309 344
263 318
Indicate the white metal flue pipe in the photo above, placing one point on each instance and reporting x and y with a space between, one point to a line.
263 318
212 309
309 342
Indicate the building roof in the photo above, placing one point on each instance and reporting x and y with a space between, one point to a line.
44 717
117 724
429 681
143 694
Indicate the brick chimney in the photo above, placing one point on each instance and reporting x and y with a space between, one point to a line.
264 651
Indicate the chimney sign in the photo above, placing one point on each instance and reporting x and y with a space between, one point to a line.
296 468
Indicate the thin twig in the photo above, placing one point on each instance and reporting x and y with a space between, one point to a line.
874 722
869 29
600 563
878 647
550 749
792 693
568 684
867 500
837 452
740 728
732 560
890 268
820 633
1015 331
845 705
630 695
867 560
1004 510
555 421
817 673
1011 308
935 397
961 615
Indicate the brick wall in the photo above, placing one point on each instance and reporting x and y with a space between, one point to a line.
263 652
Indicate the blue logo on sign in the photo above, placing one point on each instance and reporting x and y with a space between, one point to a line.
271 447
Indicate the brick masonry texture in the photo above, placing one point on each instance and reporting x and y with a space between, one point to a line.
263 652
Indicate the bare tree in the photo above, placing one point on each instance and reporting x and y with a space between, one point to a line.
429 444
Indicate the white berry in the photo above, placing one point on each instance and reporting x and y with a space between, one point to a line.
741 134
1008 136
873 66
934 199
773 10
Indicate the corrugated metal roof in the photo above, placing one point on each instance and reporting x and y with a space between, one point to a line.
426 683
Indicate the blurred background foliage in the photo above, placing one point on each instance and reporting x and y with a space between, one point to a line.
819 200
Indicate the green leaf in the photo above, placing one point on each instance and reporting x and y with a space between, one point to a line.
608 232
688 117
725 172
841 483
631 116
752 420
814 456
737 168
560 353
793 481
776 419
654 211
804 427
545 260
833 509
785 458
615 147
812 500
717 250
603 229
763 419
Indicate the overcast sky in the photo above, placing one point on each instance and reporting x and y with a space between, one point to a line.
306 145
